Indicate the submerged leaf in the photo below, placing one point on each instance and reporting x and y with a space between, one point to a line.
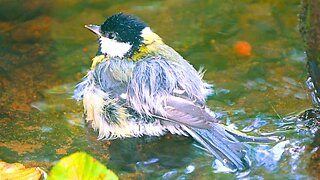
80 166
18 171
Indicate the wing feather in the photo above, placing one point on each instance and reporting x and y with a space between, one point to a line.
155 80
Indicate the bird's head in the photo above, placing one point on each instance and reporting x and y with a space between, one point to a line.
123 36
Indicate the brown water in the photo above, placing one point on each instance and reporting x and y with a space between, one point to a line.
45 50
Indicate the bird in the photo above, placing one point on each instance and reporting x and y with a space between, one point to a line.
139 86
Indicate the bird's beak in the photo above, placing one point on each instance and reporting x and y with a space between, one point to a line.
94 28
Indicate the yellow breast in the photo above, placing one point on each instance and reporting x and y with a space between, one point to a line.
98 59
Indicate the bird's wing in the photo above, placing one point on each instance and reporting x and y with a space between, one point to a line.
186 112
169 90
154 90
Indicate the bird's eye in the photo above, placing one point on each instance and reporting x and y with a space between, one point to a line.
112 35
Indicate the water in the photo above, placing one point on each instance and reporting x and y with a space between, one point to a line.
45 50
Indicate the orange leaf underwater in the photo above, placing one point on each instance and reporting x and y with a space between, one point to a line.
243 48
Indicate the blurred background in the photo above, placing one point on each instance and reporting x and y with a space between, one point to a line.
252 51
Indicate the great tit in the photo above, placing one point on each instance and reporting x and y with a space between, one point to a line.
140 86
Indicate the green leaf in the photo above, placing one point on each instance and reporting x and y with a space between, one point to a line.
80 166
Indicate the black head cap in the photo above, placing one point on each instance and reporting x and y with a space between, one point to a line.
124 28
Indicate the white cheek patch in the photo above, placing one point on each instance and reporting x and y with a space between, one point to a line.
113 48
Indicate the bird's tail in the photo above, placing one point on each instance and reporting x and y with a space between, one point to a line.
223 145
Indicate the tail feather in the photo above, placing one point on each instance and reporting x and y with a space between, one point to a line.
224 146
245 138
